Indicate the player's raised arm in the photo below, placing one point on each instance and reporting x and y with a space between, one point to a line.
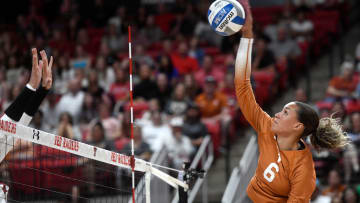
15 111
245 96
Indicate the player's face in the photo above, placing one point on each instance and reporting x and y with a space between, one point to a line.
286 121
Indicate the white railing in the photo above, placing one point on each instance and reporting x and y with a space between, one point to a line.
160 192
205 157
235 191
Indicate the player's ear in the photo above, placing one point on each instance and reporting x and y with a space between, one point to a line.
299 126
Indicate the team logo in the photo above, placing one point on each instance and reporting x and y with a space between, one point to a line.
36 134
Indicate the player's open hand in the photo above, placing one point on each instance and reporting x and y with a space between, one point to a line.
35 70
46 71
247 29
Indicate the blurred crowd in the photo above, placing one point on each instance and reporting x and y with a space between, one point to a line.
183 71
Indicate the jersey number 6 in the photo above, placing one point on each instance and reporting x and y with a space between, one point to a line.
269 174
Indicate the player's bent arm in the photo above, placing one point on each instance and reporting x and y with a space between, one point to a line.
245 96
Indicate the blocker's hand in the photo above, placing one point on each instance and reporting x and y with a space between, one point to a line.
46 71
35 70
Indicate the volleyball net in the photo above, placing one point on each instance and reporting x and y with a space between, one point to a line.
43 167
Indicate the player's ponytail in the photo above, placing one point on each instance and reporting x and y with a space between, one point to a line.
329 134
326 133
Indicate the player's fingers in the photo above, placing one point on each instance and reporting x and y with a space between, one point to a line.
50 65
34 58
41 65
44 59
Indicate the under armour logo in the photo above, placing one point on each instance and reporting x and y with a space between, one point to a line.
95 149
36 134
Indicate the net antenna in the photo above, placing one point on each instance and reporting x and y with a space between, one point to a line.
131 121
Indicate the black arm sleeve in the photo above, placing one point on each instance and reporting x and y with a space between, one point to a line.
17 108
36 100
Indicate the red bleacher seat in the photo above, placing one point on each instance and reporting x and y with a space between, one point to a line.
212 51
324 105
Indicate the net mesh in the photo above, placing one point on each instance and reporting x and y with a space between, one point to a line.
36 173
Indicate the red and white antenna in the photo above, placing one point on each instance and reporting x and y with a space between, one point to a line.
131 120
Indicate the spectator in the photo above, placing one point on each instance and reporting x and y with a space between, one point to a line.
204 32
193 127
13 92
344 85
271 29
121 87
263 58
63 74
183 63
105 73
305 3
141 148
301 27
166 67
66 127
177 105
13 71
88 111
350 195
4 87
351 161
81 59
284 46
195 51
152 32
113 39
209 70
164 90
184 22
72 101
357 57
147 88
141 57
110 124
354 129
335 188
119 19
94 87
338 110
179 146
212 103
192 89
155 132
49 110
38 122
154 106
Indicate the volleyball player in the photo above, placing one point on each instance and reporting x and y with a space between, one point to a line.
285 171
27 103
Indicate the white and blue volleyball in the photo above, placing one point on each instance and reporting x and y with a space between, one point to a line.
226 17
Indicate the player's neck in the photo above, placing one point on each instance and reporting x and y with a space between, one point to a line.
287 143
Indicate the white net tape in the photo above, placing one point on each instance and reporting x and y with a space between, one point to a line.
8 128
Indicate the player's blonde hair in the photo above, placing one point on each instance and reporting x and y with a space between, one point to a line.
329 134
326 133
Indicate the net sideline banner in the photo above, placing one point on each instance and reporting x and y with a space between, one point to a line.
72 146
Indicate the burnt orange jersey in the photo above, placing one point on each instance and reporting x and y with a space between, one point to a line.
281 176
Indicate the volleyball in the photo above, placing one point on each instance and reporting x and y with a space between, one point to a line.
226 17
